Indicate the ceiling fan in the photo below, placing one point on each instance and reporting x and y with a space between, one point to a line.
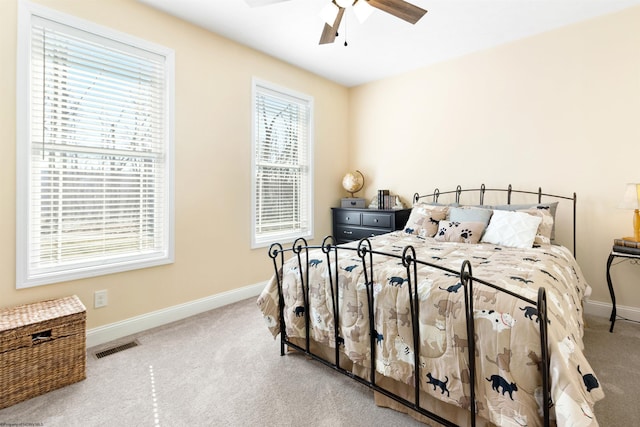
333 12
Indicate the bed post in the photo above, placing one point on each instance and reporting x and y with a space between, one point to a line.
304 282
274 250
544 369
575 200
466 278
328 246
408 260
364 248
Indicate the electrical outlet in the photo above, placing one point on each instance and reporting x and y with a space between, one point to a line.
100 299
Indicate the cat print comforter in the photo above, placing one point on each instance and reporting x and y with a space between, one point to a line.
508 347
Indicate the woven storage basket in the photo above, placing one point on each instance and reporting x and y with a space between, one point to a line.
42 348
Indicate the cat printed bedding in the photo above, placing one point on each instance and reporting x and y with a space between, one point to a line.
507 356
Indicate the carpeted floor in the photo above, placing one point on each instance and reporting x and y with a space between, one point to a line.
615 358
222 368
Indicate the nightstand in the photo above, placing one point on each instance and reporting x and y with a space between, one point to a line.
351 224
616 254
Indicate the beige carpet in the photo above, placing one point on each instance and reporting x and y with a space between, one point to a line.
615 358
222 368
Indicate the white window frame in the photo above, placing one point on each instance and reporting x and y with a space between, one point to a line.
32 273
264 239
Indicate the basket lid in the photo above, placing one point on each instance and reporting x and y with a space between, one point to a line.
40 311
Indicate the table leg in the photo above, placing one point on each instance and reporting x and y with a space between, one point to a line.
612 319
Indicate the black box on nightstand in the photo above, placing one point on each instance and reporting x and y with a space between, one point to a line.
353 202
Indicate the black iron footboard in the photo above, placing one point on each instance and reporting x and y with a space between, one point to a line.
408 258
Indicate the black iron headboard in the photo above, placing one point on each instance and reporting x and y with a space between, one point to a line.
509 190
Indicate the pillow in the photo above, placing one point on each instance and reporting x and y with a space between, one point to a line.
550 206
424 218
437 204
512 229
543 235
470 214
431 205
462 232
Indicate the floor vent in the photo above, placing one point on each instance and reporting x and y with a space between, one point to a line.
116 349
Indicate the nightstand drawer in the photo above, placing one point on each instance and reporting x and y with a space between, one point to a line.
345 233
377 220
345 216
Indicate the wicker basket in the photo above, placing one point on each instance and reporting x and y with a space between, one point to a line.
42 348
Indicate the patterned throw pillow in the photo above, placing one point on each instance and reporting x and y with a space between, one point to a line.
471 214
424 218
462 232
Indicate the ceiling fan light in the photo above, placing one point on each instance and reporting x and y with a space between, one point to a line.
362 10
345 3
329 14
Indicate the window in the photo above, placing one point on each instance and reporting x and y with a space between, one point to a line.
282 191
95 148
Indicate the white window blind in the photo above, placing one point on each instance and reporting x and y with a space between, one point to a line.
282 187
96 156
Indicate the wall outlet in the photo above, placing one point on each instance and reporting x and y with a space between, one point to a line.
100 299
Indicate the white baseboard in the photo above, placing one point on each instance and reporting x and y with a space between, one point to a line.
117 330
603 309
134 325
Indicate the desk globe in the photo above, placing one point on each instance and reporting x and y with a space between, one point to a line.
353 182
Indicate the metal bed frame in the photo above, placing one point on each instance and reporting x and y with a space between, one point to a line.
365 252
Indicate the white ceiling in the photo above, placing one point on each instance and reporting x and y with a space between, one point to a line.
383 45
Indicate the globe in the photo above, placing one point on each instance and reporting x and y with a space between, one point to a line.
353 182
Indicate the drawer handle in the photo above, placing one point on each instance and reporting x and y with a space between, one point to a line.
348 218
40 337
347 232
375 220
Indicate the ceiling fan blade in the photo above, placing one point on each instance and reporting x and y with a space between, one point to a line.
329 32
400 9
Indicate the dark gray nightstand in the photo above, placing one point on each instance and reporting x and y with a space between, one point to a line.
351 224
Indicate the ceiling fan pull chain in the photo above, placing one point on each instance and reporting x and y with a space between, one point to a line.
345 33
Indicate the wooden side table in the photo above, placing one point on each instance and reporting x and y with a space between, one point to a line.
614 254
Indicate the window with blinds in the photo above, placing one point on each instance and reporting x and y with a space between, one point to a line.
282 167
94 150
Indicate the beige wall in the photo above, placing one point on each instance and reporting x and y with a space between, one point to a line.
558 110
213 155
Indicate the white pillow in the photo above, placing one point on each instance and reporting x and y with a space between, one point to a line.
513 229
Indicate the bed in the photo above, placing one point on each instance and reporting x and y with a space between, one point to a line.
479 295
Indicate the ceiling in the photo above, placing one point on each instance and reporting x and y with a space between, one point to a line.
383 45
